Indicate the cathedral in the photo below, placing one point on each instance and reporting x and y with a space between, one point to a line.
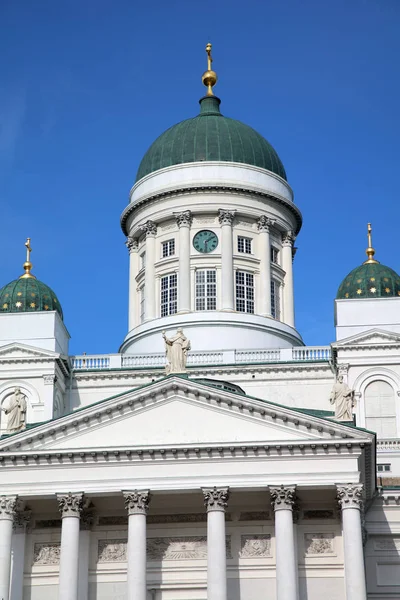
215 456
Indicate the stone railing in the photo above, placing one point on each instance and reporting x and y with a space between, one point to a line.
212 357
388 445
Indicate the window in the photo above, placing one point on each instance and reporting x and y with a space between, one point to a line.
244 292
168 248
169 295
244 244
143 260
275 300
386 468
206 290
380 409
274 255
142 304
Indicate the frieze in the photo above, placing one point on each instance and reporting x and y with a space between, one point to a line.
48 524
255 546
255 516
387 544
318 514
47 553
181 548
113 520
112 550
318 543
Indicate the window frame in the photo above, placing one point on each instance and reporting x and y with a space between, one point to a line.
208 297
247 300
247 244
167 245
275 291
168 295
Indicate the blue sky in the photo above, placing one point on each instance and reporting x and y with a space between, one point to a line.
88 85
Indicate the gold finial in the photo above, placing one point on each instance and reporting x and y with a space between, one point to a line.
209 78
27 264
370 251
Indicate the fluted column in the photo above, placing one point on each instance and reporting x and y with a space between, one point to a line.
283 499
264 224
150 230
8 505
350 501
133 317
18 545
70 506
226 220
216 500
288 291
137 503
184 221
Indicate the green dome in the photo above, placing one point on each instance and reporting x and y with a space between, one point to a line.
28 294
210 137
370 280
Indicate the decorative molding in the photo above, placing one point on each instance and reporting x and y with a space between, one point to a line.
246 224
113 520
112 550
255 516
264 223
88 517
181 548
318 514
189 518
8 507
350 496
255 545
149 228
205 221
21 521
387 544
318 543
48 524
184 219
46 553
137 502
132 244
226 217
283 497
70 505
49 379
288 238
216 498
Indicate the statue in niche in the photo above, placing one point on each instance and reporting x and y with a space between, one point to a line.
15 411
343 399
176 349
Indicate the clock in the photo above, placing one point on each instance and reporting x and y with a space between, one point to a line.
205 241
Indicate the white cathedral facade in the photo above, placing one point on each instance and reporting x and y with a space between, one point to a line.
218 470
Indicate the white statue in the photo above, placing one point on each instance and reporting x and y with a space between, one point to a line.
16 411
343 399
176 349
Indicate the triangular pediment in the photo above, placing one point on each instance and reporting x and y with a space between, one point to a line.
23 351
372 337
177 412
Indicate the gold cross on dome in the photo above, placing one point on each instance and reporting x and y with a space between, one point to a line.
28 249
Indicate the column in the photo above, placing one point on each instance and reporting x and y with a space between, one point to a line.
288 291
350 501
150 229
133 246
21 522
216 500
226 220
283 499
48 396
70 506
8 506
86 523
184 221
264 223
137 503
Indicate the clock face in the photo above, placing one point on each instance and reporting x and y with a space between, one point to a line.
205 241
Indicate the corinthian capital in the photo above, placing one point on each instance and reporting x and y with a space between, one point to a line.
350 495
216 498
132 244
70 505
283 497
149 228
288 238
22 519
226 217
184 219
137 502
8 507
264 223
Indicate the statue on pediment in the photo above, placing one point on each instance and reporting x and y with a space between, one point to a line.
15 410
343 398
176 349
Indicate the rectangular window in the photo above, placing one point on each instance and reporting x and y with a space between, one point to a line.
244 244
274 255
244 292
386 468
206 290
275 300
143 260
142 304
169 295
168 248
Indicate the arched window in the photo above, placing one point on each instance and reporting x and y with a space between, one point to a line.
380 409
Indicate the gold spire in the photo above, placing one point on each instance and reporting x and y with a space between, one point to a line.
209 78
27 264
370 250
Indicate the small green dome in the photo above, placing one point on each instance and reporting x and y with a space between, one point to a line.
210 137
28 294
370 280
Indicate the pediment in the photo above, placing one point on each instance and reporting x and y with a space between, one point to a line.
176 412
372 337
23 351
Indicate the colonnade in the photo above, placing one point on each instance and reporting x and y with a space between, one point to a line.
283 499
226 221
